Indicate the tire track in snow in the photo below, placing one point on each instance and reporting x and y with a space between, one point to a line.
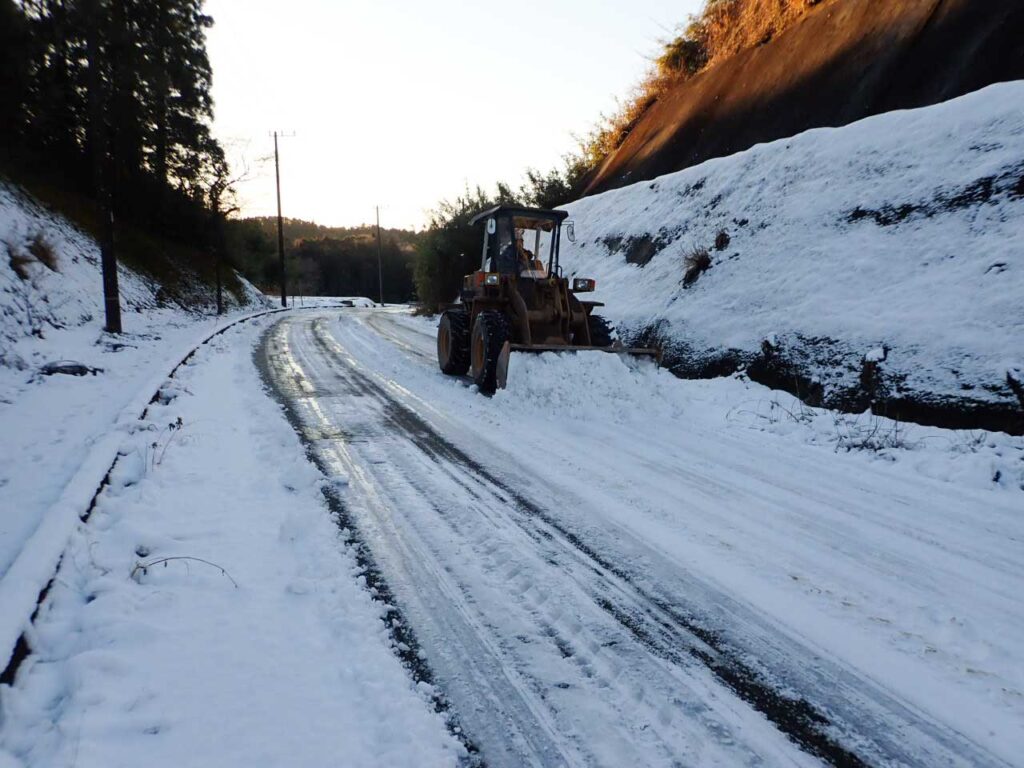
885 732
472 654
673 637
267 357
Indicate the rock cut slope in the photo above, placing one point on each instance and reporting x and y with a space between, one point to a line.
877 265
843 61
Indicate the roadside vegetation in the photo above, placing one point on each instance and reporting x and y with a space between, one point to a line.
449 248
722 29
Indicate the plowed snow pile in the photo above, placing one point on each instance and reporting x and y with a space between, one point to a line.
897 241
589 385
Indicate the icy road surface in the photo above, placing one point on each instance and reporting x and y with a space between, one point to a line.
610 571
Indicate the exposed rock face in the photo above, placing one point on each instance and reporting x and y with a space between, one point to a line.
845 60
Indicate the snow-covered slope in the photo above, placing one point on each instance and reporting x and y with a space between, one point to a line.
50 279
877 264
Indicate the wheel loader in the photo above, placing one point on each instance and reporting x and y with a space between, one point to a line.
520 301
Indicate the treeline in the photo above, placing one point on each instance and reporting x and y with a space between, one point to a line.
115 95
325 261
299 228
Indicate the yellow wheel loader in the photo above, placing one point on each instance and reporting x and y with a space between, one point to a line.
519 301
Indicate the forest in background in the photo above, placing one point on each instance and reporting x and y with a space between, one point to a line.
113 96
325 261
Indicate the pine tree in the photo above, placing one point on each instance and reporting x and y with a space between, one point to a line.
15 52
84 80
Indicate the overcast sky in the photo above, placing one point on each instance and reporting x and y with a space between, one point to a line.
404 102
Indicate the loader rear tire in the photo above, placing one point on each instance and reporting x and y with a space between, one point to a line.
453 343
490 332
600 331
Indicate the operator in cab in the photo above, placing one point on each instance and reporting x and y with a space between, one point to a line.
527 260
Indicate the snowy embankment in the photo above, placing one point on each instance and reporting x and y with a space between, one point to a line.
61 432
208 613
876 265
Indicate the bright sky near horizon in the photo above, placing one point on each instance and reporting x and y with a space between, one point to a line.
403 103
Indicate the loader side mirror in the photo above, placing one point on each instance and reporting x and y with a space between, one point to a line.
570 231
492 226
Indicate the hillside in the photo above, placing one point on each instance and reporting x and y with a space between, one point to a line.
299 229
843 61
876 266
51 282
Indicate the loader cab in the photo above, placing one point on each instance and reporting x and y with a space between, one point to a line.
523 242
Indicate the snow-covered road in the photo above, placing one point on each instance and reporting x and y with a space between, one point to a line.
602 567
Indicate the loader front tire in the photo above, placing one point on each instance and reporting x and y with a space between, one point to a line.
490 332
453 342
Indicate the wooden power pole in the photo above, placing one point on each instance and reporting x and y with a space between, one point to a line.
280 225
104 167
380 268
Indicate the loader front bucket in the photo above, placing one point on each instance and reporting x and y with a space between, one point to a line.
501 371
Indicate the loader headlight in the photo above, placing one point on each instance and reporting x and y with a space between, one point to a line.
583 284
492 279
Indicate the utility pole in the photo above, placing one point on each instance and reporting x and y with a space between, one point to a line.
108 254
220 281
280 225
104 167
380 268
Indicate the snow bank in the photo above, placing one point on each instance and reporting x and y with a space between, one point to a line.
36 298
61 432
209 614
898 239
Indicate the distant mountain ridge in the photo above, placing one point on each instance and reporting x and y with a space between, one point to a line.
300 229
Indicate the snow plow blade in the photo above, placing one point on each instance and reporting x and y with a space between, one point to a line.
501 374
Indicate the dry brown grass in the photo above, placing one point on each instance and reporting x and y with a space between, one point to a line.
43 252
695 262
38 250
613 129
19 261
731 26
722 29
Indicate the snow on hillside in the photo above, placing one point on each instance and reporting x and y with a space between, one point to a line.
897 241
50 280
